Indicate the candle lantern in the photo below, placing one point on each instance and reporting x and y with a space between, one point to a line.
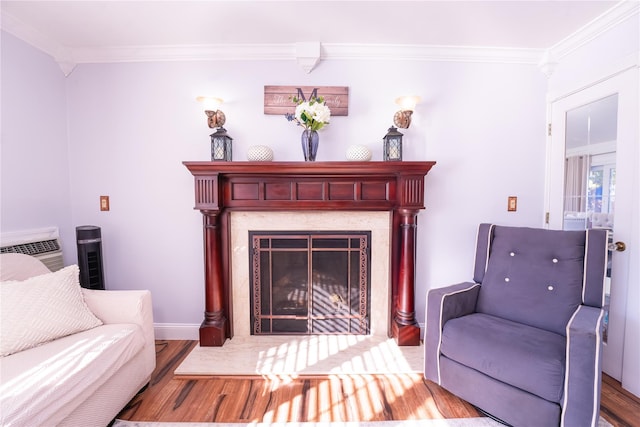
221 145
392 145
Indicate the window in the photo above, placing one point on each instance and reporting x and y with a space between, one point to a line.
601 190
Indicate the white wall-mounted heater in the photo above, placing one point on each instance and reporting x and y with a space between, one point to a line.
43 243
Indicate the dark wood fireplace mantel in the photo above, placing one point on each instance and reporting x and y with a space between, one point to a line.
223 187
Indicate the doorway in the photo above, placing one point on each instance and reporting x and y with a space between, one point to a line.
592 170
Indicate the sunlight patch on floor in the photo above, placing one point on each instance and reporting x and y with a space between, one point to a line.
304 355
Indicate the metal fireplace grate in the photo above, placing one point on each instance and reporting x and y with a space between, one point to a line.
310 283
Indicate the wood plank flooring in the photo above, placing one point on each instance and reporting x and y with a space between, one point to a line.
314 399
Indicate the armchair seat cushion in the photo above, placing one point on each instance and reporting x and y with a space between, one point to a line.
523 356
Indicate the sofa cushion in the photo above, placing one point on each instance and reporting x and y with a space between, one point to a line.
20 267
41 309
529 358
534 276
44 384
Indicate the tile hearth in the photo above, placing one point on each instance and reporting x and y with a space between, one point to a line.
294 356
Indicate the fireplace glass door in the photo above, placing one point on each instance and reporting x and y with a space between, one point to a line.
310 283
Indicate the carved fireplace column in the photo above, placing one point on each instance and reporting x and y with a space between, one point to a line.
213 331
405 328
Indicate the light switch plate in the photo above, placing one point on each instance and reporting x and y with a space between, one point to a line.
104 203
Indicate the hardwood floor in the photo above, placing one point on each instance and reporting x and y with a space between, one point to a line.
617 405
344 398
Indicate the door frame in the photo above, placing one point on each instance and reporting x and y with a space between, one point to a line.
621 353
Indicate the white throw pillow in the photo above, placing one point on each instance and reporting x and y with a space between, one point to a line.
41 309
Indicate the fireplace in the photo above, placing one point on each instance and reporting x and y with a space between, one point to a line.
224 189
309 283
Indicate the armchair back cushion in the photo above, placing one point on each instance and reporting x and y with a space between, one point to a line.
533 277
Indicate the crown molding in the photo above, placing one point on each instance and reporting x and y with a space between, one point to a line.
68 57
234 52
622 11
219 52
431 53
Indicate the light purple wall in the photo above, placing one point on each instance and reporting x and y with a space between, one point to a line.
132 124
35 161
486 129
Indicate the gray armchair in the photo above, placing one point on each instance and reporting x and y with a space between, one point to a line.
523 341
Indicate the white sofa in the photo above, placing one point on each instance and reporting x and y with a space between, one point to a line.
80 379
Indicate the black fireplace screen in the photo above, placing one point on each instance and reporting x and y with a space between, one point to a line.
310 283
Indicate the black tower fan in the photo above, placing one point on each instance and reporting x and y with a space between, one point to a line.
89 241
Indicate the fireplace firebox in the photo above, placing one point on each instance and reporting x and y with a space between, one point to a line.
310 283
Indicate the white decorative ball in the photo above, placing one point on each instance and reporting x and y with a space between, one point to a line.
358 153
259 153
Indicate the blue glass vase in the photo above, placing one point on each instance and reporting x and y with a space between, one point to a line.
310 140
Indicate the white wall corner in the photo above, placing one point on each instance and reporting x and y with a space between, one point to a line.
307 55
38 40
176 331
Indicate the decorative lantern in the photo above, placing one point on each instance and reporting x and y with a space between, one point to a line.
392 145
221 145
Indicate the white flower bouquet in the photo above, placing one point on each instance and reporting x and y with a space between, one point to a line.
313 115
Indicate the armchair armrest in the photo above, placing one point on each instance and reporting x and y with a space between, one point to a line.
444 304
581 401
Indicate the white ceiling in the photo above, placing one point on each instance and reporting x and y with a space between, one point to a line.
94 25
108 30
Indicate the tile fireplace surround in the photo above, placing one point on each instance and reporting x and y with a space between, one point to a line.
313 188
375 222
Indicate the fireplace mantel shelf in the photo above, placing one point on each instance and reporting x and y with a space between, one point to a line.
309 168
222 187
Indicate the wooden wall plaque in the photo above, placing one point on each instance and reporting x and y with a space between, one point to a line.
277 98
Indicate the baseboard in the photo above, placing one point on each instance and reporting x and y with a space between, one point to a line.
176 331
